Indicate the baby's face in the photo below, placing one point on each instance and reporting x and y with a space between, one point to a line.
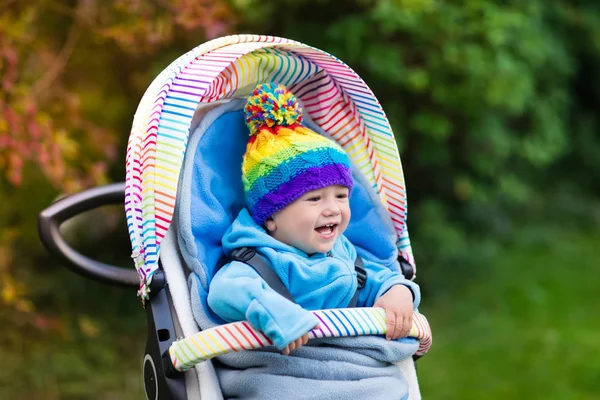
314 221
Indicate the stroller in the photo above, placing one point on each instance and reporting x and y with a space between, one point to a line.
183 190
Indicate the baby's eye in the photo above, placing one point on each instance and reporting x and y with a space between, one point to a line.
342 196
314 198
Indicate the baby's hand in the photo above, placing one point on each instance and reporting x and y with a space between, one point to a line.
398 305
296 344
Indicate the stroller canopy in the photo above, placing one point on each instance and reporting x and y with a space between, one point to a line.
332 94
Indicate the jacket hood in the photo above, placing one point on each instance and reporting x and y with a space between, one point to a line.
244 232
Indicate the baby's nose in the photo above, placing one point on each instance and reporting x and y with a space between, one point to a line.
331 211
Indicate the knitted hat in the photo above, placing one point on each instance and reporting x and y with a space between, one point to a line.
283 158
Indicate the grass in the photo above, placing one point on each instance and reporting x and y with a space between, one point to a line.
527 329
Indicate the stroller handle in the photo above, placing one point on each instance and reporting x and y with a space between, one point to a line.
236 336
50 220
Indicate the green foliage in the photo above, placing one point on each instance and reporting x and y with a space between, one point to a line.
84 342
518 332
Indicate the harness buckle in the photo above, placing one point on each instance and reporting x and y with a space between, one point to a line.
243 254
361 277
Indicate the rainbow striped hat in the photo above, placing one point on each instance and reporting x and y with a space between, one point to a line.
285 159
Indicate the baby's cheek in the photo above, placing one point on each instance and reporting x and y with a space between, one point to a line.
342 228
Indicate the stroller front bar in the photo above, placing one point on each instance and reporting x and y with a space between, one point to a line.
239 336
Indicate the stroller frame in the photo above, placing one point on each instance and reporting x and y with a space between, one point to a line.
161 381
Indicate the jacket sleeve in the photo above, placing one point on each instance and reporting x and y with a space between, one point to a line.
237 293
380 278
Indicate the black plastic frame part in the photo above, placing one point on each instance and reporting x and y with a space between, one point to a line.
50 220
407 269
161 381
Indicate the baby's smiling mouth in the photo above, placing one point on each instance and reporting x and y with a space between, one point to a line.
327 230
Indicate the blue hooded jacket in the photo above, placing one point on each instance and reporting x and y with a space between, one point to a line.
318 281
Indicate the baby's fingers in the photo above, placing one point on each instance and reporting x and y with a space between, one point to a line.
292 346
304 339
390 319
406 326
399 327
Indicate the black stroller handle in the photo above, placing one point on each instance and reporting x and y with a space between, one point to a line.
50 220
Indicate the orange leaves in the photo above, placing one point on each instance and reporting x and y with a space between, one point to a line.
140 27
214 17
88 326
8 66
59 140
45 117
13 294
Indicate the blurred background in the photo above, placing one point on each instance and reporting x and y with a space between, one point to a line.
495 109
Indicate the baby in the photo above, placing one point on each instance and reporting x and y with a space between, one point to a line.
297 185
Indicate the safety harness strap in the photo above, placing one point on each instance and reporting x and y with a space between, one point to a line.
249 256
361 278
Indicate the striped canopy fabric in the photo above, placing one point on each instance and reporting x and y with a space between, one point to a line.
334 96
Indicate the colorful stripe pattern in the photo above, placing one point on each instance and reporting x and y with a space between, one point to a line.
238 336
332 94
284 159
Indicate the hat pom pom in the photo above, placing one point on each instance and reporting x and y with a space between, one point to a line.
271 105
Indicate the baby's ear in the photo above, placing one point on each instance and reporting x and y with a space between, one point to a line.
270 225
